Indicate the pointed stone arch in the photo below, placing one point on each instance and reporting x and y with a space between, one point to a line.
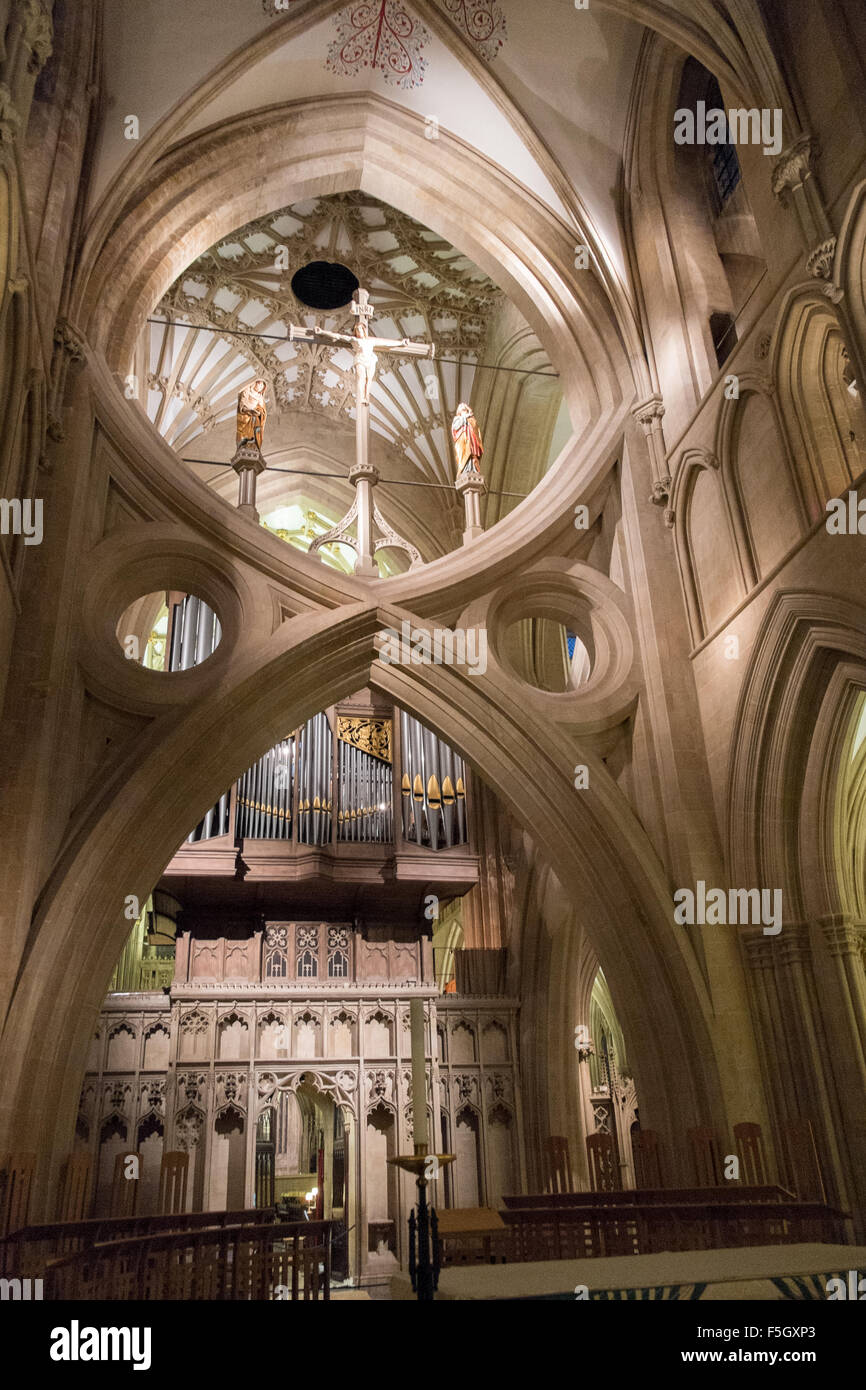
849 274
792 731
809 661
806 366
599 850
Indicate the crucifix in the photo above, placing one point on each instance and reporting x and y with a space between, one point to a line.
364 476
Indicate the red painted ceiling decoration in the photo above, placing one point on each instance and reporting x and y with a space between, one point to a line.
385 37
481 21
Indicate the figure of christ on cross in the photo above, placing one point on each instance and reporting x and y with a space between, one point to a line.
365 350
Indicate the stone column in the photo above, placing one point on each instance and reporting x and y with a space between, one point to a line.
649 415
364 477
682 819
797 1048
248 463
470 486
794 184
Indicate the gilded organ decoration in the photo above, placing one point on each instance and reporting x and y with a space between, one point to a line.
372 736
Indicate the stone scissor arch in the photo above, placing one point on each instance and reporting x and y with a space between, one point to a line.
600 853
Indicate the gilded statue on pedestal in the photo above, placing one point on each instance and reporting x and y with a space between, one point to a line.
252 414
468 445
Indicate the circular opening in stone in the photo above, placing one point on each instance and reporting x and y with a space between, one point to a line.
546 654
169 630
324 285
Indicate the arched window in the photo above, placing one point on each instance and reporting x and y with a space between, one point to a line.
724 249
338 965
308 965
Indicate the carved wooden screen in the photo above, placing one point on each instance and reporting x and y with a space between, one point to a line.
306 951
338 953
276 966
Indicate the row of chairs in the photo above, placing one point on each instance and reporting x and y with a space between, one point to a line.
803 1169
73 1199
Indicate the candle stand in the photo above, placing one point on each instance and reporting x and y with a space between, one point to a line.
424 1257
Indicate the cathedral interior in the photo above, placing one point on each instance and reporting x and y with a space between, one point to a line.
432 651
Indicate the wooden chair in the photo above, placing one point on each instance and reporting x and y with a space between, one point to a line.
74 1196
750 1150
557 1164
16 1180
604 1174
647 1159
173 1173
705 1157
124 1190
803 1168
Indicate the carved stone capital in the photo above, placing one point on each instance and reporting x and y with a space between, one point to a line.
55 429
649 413
794 946
843 937
661 491
762 347
38 33
66 337
819 262
361 471
758 950
794 166
249 457
470 481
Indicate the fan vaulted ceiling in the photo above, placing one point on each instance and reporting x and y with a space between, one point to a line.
238 302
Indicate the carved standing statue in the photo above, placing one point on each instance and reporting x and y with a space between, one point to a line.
468 449
248 461
252 414
468 445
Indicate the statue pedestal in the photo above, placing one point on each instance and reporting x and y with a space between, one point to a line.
470 486
248 463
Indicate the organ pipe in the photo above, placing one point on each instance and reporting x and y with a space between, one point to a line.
433 789
195 634
300 770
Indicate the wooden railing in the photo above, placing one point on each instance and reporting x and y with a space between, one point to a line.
290 1261
642 1197
26 1253
593 1229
